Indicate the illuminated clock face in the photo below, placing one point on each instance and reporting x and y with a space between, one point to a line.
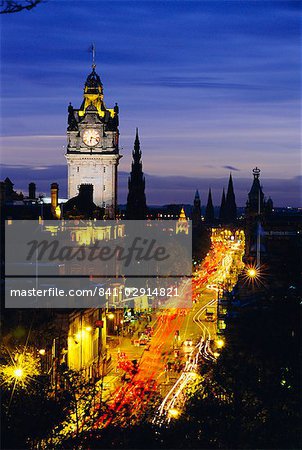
91 137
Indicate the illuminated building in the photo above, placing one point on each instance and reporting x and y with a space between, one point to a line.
182 225
87 342
93 146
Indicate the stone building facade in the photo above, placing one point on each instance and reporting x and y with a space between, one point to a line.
93 146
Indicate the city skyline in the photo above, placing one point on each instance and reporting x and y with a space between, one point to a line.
165 190
150 208
229 108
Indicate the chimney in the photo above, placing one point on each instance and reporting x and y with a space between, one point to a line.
54 195
86 192
32 191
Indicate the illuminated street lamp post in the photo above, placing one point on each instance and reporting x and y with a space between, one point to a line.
21 368
252 274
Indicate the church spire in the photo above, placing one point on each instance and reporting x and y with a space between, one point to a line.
137 154
209 217
136 201
230 203
197 203
222 207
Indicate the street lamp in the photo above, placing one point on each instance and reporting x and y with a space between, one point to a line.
252 272
220 343
18 372
110 316
173 412
20 369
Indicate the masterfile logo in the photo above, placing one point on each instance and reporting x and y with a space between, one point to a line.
78 259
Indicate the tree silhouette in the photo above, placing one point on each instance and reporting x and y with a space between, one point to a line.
10 6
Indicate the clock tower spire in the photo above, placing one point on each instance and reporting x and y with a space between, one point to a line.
93 145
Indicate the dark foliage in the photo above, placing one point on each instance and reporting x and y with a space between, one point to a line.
27 416
10 6
250 397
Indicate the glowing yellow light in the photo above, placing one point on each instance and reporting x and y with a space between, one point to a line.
194 376
110 316
42 351
252 272
174 413
20 368
216 354
18 372
220 343
58 212
79 335
88 329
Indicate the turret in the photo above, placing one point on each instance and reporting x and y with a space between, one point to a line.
197 200
196 212
269 206
182 225
255 203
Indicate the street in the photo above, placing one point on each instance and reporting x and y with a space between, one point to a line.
181 339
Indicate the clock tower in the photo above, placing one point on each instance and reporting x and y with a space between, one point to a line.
93 146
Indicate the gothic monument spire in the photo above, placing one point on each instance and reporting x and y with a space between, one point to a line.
136 201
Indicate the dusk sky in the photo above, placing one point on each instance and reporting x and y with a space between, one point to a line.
213 86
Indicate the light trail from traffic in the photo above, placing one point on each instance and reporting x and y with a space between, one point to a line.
190 371
131 399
